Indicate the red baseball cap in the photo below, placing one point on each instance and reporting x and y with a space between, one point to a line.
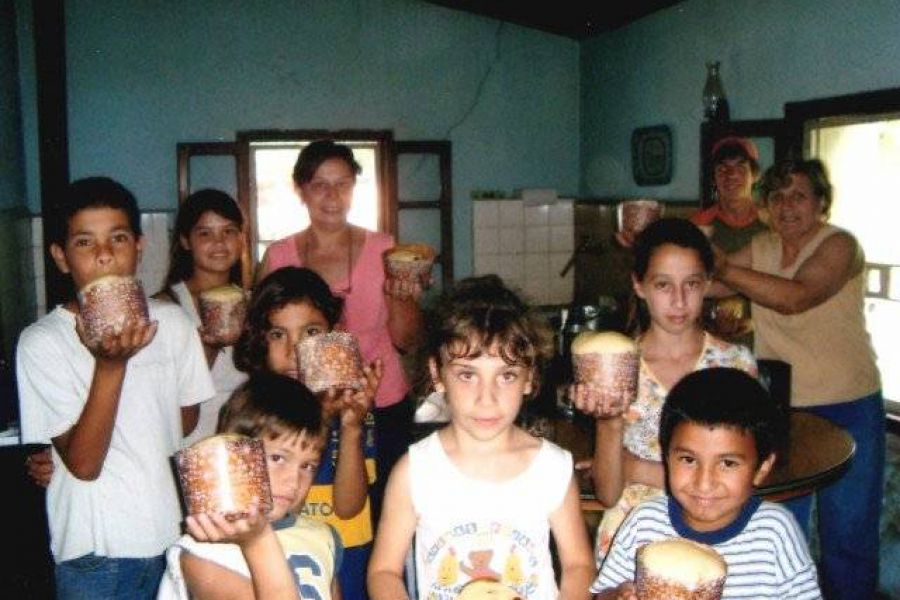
744 145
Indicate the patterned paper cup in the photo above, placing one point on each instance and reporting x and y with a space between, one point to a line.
108 302
635 215
224 474
612 377
330 360
679 569
222 312
410 262
607 363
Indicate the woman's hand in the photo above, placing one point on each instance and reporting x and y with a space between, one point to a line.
593 401
404 289
720 261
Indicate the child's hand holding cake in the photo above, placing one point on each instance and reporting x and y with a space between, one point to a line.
606 368
408 269
352 404
225 474
330 360
113 320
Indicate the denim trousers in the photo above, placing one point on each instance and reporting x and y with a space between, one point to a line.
92 577
848 510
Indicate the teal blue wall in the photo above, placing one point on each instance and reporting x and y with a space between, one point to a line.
146 75
772 52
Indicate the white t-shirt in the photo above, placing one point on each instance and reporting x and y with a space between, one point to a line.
226 378
312 549
470 529
132 508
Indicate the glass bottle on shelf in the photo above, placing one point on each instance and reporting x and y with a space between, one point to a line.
715 104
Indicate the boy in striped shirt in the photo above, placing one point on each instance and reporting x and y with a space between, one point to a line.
719 432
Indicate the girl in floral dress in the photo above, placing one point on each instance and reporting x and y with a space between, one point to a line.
673 266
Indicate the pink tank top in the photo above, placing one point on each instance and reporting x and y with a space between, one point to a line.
365 310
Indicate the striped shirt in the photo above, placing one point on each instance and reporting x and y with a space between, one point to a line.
765 551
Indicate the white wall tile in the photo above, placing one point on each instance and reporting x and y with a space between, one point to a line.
535 289
510 268
536 215
486 212
486 264
512 213
537 239
512 239
486 240
562 213
536 265
527 247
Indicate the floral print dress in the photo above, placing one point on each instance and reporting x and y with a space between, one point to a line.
641 435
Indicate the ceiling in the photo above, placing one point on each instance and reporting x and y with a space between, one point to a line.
577 19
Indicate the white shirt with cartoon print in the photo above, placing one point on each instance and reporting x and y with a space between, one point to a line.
469 529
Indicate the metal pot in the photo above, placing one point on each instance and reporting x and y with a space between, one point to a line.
588 317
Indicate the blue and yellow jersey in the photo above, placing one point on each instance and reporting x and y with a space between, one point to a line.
319 504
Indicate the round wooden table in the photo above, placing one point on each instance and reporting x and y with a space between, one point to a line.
818 453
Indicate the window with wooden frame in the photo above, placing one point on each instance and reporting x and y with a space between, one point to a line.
413 206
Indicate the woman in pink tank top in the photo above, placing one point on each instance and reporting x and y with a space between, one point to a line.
382 313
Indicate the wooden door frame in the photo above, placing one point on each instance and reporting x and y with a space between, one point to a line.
444 204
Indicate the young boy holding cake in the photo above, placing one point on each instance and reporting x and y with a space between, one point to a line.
719 432
273 555
114 407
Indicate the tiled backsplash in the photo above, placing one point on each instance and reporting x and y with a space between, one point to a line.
527 246
602 266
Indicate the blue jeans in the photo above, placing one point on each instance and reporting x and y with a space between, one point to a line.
352 573
92 577
848 510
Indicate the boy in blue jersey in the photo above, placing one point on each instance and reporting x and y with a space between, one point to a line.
719 431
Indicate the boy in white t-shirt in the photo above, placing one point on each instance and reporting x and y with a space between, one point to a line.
114 410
